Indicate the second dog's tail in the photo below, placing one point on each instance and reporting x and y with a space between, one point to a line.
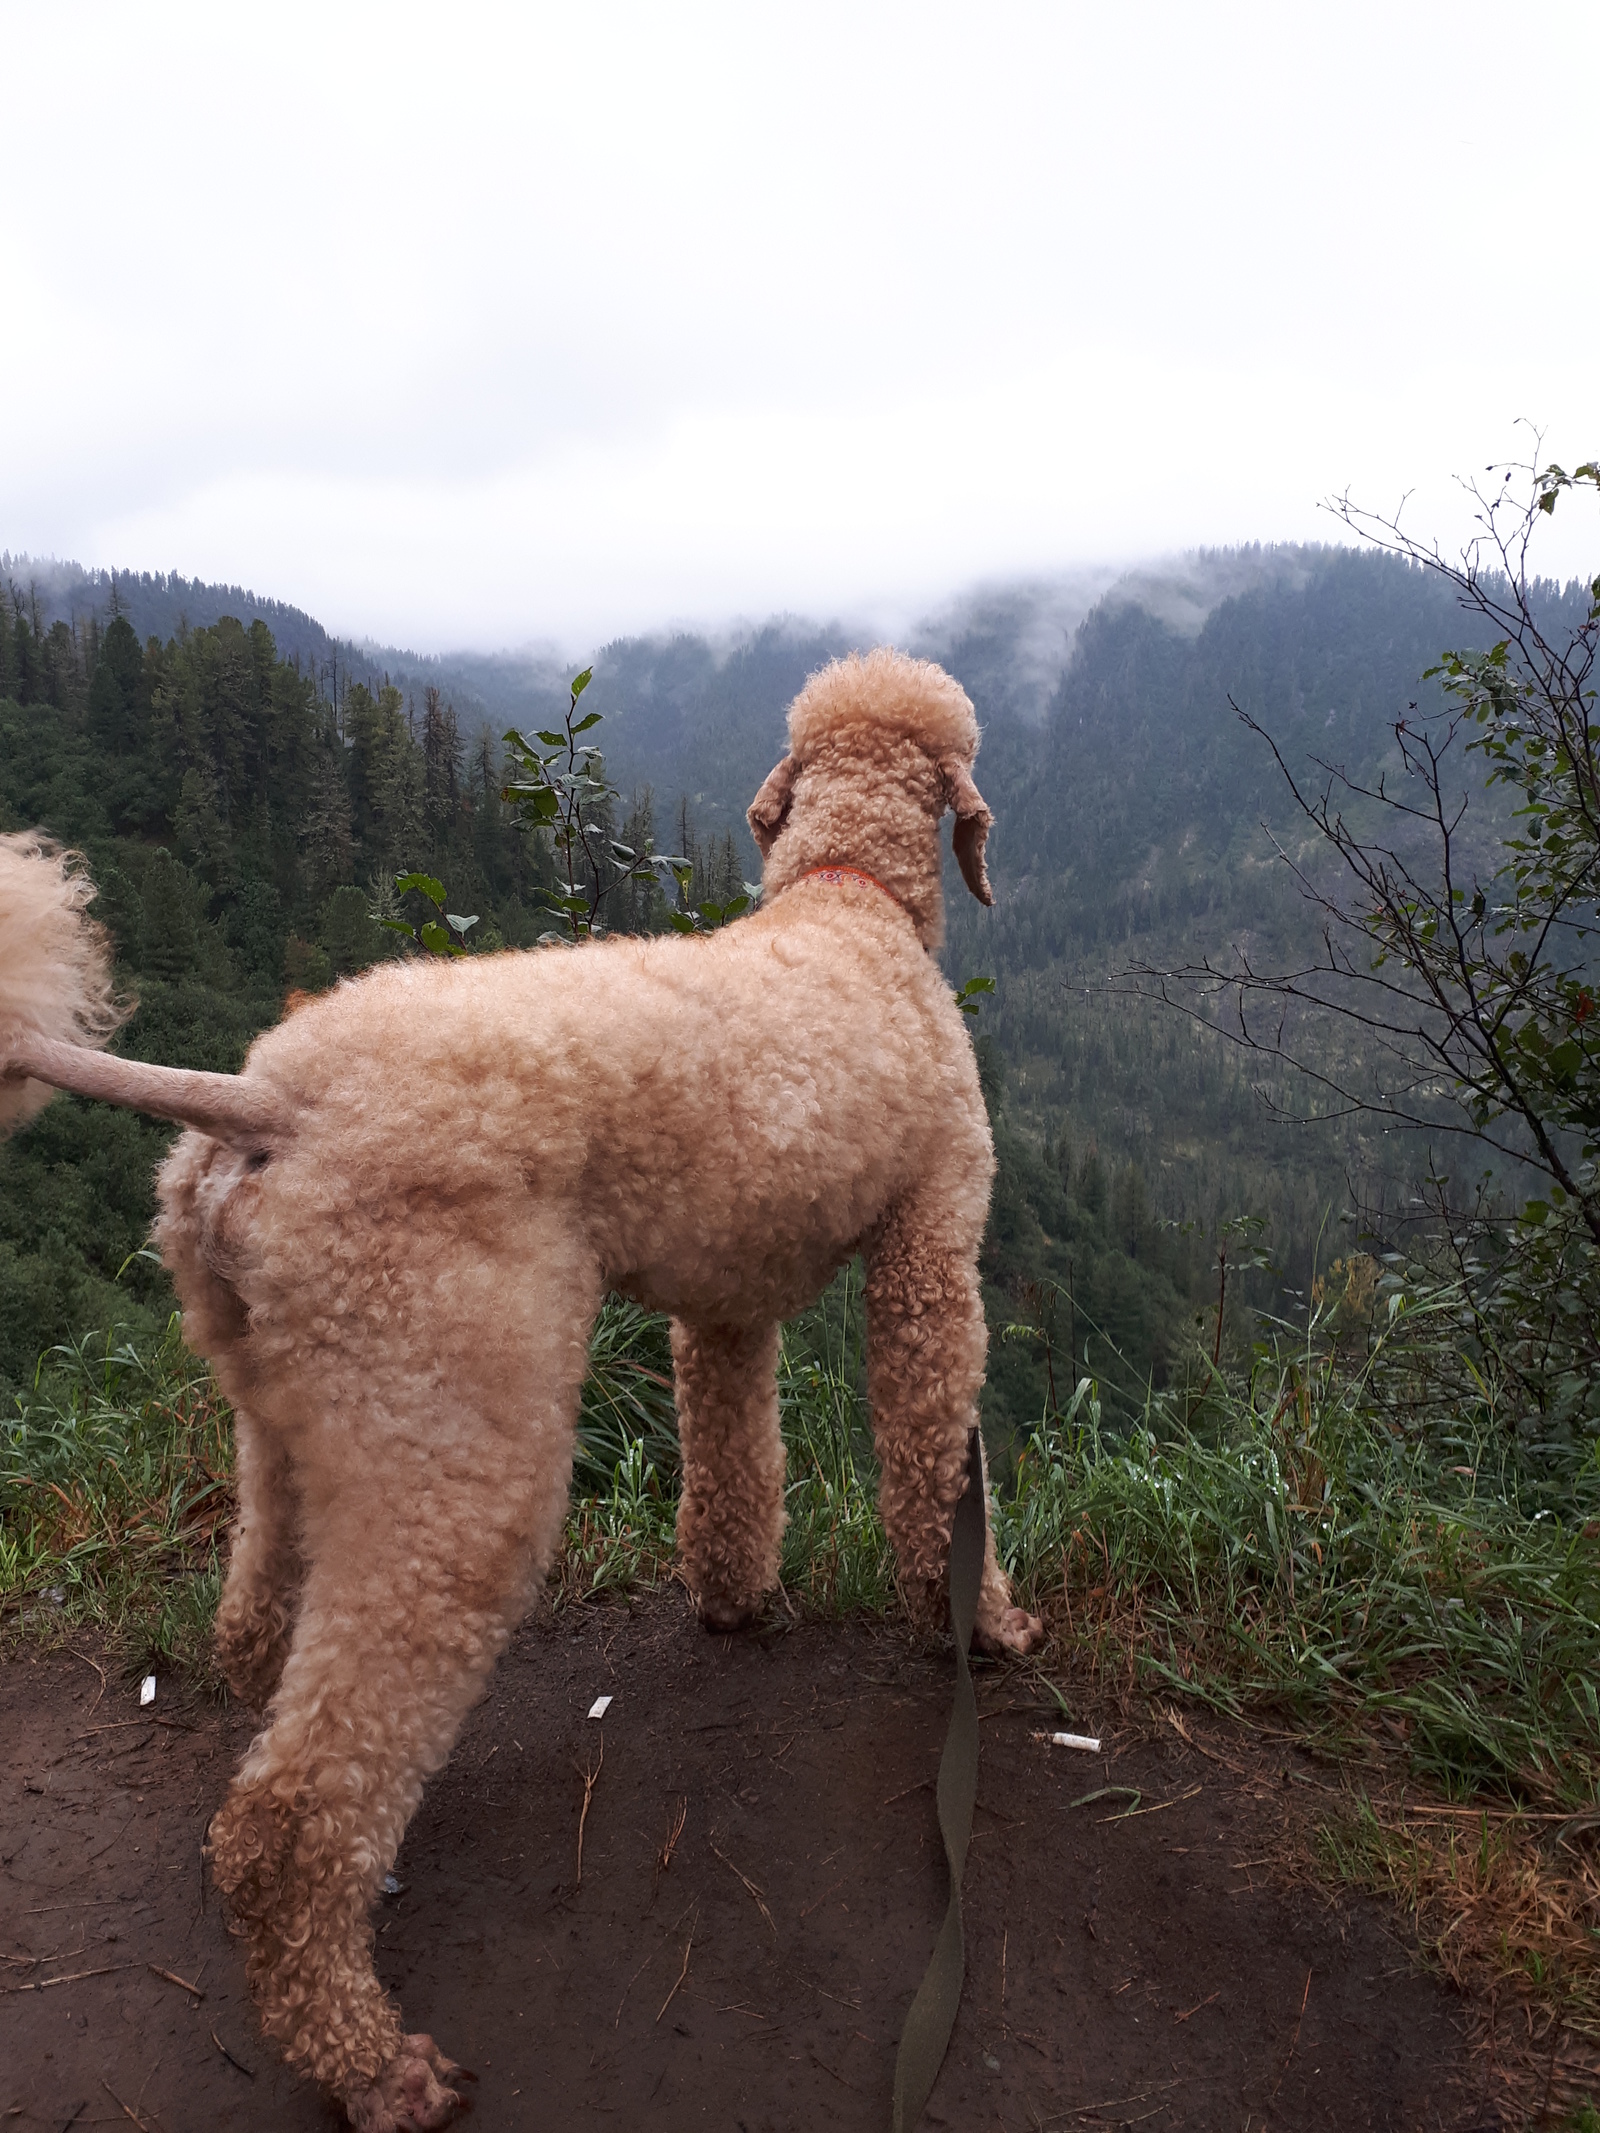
57 1008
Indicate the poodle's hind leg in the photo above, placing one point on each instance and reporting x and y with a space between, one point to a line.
926 1342
258 1600
730 1514
432 1500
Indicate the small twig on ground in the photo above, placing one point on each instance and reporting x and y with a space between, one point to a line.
77 2112
173 1978
1113 2103
908 1791
827 1892
827 2069
1176 1723
674 1832
85 1660
649 1959
750 1885
589 1776
1195 2009
72 1978
123 1725
1156 1806
126 2109
1295 2039
248 2071
683 1973
1004 1938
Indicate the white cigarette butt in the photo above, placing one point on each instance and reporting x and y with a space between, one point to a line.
599 1707
1085 1741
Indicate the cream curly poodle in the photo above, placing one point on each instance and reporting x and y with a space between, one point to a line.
391 1234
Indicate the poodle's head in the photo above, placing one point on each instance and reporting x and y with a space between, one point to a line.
879 747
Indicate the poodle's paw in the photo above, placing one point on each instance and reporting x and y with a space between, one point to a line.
723 1617
412 2094
1012 1629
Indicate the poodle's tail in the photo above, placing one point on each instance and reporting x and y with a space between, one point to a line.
57 1007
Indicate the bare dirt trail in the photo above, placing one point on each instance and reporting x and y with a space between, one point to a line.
1148 1970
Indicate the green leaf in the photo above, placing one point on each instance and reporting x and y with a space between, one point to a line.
680 922
461 925
433 890
553 740
581 682
398 925
583 724
435 938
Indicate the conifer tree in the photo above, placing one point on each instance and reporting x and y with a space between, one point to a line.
171 940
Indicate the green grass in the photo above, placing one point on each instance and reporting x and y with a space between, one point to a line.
1292 1551
836 1559
1280 1545
115 1480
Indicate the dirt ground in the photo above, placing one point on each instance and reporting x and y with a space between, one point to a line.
1150 1968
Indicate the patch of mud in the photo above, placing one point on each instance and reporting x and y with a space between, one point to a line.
1122 1968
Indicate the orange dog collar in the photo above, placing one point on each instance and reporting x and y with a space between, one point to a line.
837 874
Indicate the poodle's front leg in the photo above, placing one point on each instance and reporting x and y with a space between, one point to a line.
730 1515
926 1342
258 1600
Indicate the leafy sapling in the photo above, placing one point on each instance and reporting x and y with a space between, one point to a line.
560 788
969 996
705 916
431 937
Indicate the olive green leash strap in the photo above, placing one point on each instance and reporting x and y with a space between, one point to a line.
932 2016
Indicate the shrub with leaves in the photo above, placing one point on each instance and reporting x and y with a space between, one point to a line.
431 936
560 790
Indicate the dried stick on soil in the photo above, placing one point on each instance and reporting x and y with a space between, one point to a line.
674 1832
1294 2040
682 1974
248 2071
72 1978
85 1660
589 1776
750 1885
1195 2009
1176 1723
126 2109
649 1959
173 1978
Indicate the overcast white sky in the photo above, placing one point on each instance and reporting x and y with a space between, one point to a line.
481 325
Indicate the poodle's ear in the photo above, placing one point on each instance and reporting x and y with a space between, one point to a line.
972 825
769 810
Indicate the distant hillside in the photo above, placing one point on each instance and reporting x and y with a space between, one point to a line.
247 786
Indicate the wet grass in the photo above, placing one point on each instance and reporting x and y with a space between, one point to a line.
115 1489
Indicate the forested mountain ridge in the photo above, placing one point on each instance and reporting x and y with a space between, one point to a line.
245 811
